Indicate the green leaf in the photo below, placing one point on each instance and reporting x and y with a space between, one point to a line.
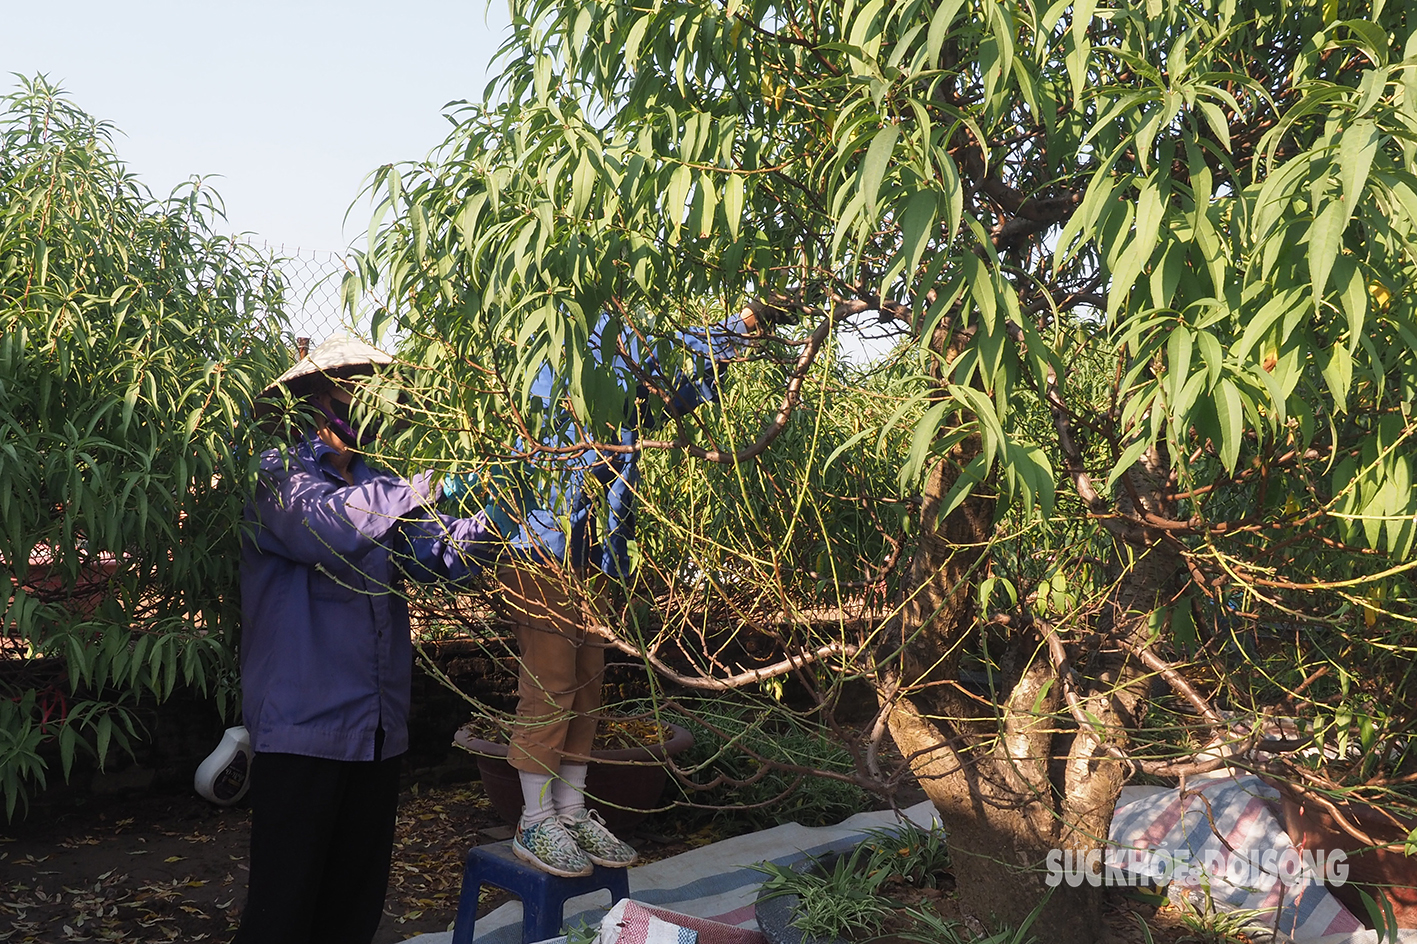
705 205
1280 305
1128 458
1182 408
102 735
1138 251
1381 915
873 168
1230 410
1183 625
1178 359
983 291
919 223
68 743
940 22
1325 237
1078 230
1371 88
194 419
970 476
865 28
1217 121
1031 477
676 198
921 441
636 36
1338 375
1275 196
1151 208
733 193
1356 150
1212 354
1409 80
1373 39
846 447
1077 56
582 183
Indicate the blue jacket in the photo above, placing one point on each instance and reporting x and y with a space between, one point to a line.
550 498
326 658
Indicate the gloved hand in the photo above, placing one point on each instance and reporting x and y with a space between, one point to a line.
460 486
760 317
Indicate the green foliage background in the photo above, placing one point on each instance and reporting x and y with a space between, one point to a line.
132 338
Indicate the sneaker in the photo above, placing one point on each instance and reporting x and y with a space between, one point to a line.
599 844
549 847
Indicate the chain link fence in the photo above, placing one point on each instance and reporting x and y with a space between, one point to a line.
312 294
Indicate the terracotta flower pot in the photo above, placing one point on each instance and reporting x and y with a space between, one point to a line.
1381 871
622 785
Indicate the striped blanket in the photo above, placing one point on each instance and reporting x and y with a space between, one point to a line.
1224 838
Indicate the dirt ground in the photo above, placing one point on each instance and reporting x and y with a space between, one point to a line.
172 867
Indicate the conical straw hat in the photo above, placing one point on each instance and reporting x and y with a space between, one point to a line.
339 357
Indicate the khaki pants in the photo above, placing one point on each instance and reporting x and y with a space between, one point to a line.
561 669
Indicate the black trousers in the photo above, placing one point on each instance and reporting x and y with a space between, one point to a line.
322 834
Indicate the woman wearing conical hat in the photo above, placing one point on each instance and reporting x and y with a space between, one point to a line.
326 655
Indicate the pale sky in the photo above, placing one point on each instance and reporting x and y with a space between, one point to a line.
291 102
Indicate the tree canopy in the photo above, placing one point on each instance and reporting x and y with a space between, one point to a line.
1150 265
1217 198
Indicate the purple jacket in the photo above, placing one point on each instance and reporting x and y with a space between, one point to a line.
326 658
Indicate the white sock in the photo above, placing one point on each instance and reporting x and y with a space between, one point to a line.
568 789
537 803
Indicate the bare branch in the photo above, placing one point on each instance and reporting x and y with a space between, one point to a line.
1178 684
747 677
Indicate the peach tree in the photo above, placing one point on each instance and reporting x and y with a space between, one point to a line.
1151 262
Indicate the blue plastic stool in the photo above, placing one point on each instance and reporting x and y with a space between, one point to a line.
543 895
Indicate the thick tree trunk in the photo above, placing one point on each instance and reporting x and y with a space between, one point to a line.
1016 780
1000 833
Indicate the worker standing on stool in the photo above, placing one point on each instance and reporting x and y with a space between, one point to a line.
326 655
554 578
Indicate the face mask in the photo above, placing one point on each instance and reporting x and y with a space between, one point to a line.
338 417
